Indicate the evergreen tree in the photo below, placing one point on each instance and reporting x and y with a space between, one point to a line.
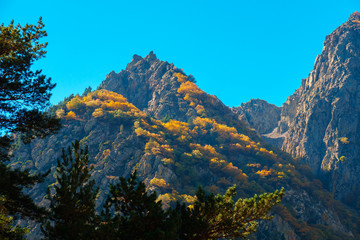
220 217
24 94
7 229
131 212
72 201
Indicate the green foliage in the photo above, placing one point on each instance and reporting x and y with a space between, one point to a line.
137 213
24 94
72 205
131 213
7 229
220 217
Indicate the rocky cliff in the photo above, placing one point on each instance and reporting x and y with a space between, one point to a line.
320 122
259 114
152 117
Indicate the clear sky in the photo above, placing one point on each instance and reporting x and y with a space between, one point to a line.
237 50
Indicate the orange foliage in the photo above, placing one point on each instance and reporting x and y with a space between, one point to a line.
145 133
234 171
177 127
106 153
71 115
60 113
207 150
256 165
191 89
200 109
167 161
180 77
264 172
99 112
203 121
108 100
158 182
74 103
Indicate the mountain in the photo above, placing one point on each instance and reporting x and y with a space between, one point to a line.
320 123
259 114
154 118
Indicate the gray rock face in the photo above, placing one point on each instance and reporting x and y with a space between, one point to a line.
259 114
320 122
149 84
322 116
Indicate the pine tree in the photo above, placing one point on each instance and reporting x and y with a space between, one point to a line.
7 229
220 217
72 201
131 212
24 94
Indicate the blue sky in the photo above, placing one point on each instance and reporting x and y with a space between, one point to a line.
237 50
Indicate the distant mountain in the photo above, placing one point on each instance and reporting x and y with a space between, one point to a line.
320 122
153 117
259 114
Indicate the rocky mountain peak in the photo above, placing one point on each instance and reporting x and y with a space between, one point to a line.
141 65
355 16
320 123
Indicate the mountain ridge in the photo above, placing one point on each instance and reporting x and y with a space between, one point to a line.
319 122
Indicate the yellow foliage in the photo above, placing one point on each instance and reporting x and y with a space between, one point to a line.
137 113
141 132
60 113
344 140
180 77
182 138
106 152
71 115
264 172
108 100
158 182
216 163
196 153
281 174
203 121
104 95
210 149
188 198
191 89
167 161
74 103
207 150
188 154
256 165
167 148
177 127
166 199
151 144
200 109
99 112
234 171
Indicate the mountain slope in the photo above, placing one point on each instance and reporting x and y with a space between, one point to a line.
198 141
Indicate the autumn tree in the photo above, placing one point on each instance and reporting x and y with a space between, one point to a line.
24 94
72 201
